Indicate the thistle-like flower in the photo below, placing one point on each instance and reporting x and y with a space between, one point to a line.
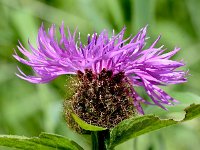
107 70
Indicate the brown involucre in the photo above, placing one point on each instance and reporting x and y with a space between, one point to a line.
100 99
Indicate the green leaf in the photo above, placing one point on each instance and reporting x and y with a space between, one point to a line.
45 141
136 126
87 126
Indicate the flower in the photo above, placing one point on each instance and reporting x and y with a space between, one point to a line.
139 66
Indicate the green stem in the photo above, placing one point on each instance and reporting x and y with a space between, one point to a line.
98 140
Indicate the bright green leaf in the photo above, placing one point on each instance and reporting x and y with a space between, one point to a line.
134 127
87 126
45 141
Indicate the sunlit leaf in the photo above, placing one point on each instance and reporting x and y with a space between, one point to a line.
45 141
134 127
85 125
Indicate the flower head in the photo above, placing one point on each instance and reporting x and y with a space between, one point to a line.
125 61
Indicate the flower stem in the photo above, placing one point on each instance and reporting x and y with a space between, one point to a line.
98 140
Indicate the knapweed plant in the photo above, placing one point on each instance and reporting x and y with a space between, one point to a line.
106 72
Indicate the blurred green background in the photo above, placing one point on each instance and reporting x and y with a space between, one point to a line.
28 109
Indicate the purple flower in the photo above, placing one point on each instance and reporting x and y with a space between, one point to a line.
144 67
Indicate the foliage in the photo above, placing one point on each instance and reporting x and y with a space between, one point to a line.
43 142
86 126
134 127
27 109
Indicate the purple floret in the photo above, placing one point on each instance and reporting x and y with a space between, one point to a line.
145 67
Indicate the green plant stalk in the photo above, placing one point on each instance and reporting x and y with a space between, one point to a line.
99 140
